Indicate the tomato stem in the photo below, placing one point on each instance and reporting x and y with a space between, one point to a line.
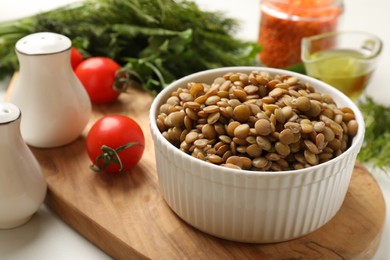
110 155
125 78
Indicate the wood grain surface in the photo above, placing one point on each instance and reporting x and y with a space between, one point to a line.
126 216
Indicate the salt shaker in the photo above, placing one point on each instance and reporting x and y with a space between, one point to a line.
283 24
55 106
22 185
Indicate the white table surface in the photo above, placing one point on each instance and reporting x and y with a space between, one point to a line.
46 236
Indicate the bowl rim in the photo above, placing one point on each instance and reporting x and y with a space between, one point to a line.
335 93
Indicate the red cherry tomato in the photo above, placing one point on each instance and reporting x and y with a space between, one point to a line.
97 74
117 138
75 58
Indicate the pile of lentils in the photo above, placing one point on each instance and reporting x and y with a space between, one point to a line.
257 122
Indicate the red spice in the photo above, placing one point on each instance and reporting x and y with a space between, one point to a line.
284 23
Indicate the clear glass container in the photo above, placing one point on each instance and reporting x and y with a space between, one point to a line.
345 60
283 23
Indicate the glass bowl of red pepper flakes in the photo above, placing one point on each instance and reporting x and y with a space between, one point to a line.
284 23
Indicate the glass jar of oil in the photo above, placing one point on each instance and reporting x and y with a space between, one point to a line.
344 60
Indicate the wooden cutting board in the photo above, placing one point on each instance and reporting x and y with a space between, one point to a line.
126 216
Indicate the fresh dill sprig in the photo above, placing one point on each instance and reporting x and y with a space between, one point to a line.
376 145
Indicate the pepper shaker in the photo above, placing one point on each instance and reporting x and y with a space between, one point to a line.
55 106
22 185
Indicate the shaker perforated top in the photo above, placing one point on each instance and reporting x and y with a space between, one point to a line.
8 112
43 43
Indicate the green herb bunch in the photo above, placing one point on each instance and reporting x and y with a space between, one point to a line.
376 146
157 40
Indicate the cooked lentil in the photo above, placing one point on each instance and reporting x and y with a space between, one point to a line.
257 122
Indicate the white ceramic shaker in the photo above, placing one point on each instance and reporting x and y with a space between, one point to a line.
55 106
22 185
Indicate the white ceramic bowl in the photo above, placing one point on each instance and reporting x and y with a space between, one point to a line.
252 206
